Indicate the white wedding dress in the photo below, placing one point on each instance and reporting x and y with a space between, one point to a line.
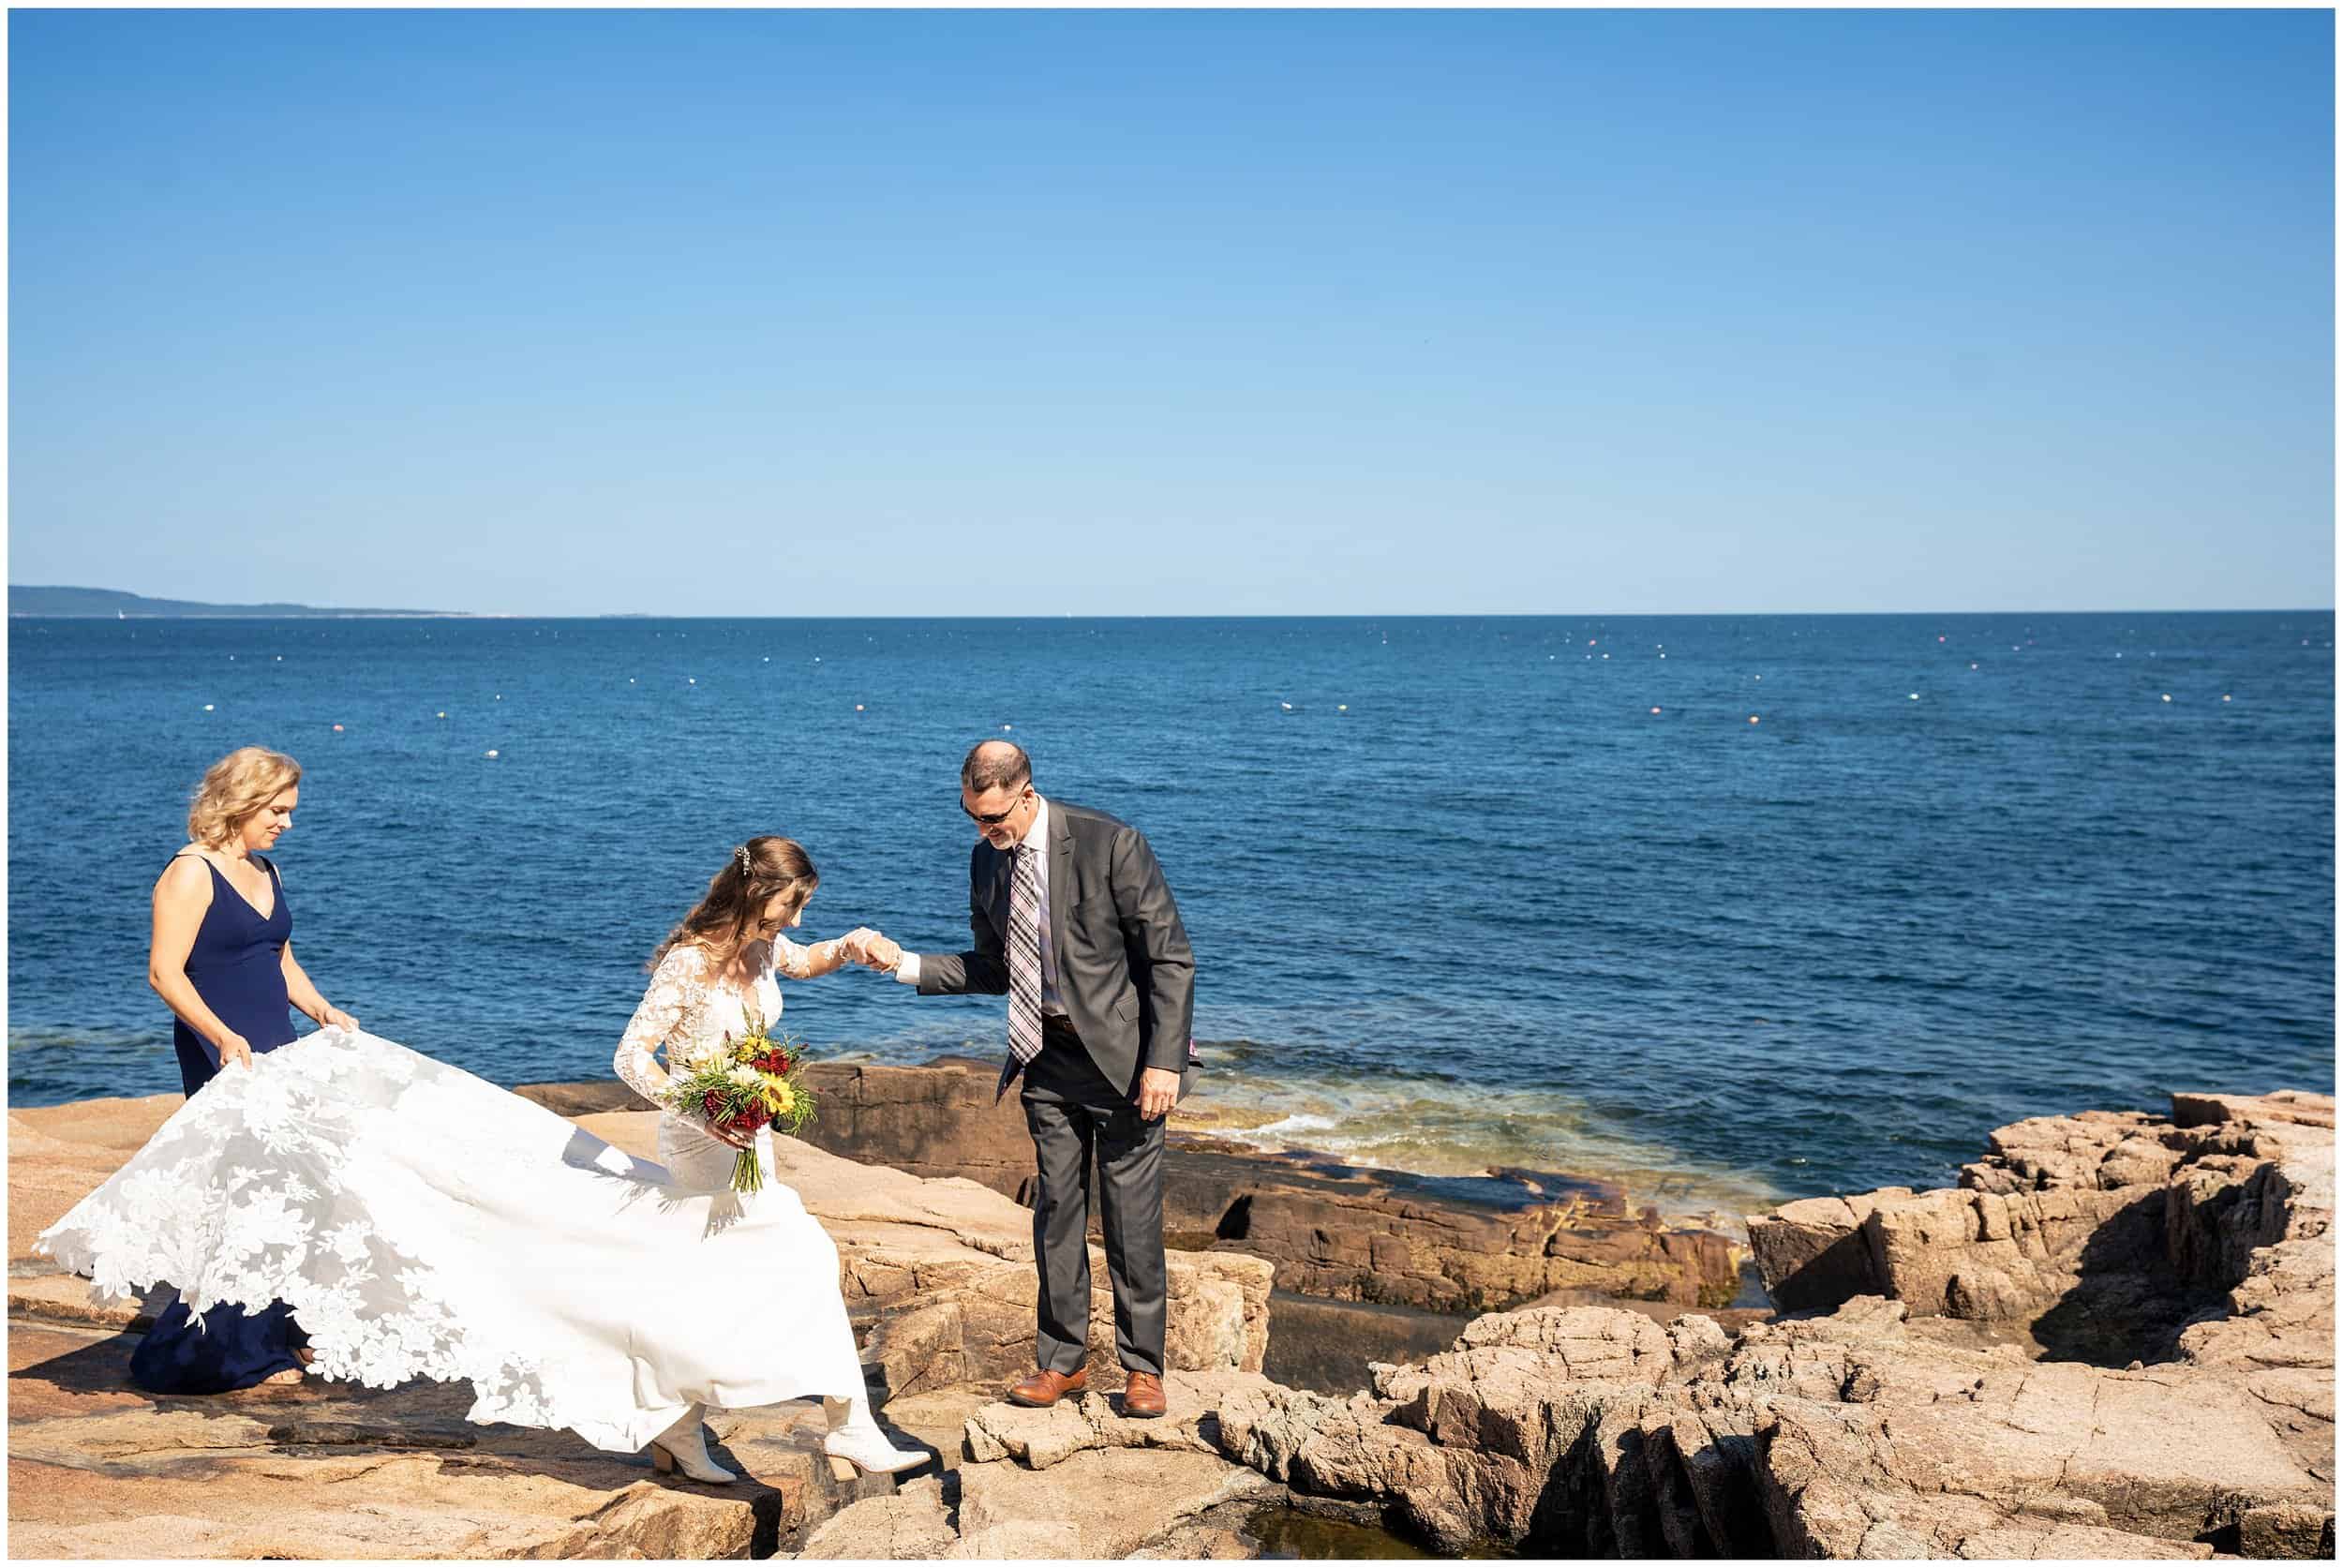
424 1224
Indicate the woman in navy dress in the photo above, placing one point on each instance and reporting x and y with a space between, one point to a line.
222 957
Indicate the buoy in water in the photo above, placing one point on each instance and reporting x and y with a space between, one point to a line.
1752 718
1009 727
2168 697
1655 711
1342 707
1916 696
858 707
443 712
490 753
207 708
338 729
2225 696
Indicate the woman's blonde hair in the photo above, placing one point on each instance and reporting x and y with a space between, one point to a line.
737 895
234 787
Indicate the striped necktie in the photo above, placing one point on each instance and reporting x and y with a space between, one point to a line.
1025 958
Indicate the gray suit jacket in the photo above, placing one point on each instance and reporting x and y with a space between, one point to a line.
1125 973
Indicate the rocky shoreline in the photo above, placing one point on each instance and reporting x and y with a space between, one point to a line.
1369 1264
2113 1338
1342 1232
1943 1421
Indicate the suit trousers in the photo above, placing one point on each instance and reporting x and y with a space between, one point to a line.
1075 1115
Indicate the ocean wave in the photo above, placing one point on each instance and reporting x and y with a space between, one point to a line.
1434 1128
1298 1123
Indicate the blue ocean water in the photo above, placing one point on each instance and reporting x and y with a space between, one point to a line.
1464 893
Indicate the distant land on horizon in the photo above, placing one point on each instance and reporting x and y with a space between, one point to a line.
36 602
103 601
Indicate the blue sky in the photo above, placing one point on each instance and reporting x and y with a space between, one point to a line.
867 313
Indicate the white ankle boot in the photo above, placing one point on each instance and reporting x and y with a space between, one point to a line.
681 1447
856 1438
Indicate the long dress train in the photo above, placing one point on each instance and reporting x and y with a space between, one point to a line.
422 1222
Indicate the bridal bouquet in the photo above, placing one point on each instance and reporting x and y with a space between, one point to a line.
751 1081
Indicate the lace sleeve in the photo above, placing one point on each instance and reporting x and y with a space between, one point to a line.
677 986
803 964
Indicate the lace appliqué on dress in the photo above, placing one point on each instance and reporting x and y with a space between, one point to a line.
250 1194
803 964
672 1003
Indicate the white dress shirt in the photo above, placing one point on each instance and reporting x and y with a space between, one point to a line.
1036 843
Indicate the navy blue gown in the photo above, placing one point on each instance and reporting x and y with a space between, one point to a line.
236 965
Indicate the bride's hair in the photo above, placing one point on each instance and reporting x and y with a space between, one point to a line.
737 895
234 788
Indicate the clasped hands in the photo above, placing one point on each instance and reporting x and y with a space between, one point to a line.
868 947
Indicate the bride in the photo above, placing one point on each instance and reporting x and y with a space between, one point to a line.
422 1223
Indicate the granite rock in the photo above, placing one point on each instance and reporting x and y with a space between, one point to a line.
1888 1427
1039 1439
1100 1502
914 1524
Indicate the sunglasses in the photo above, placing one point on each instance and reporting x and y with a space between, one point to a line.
994 819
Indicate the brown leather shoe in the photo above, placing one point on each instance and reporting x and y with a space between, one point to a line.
1142 1395
1045 1388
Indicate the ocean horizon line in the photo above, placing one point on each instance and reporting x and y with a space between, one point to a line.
1154 616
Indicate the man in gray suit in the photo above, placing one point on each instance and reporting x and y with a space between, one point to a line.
1073 922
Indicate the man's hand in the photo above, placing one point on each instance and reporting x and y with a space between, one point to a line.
1158 1090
